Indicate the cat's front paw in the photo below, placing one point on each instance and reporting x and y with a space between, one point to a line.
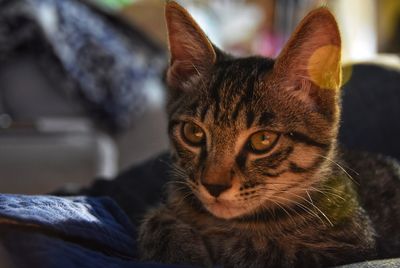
163 238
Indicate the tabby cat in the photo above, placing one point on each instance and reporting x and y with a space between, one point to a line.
256 179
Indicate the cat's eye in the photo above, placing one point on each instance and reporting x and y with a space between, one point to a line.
262 141
193 134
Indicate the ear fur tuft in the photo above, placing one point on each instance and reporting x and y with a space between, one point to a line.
191 51
309 65
314 50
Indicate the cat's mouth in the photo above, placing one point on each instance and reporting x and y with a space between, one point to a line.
226 206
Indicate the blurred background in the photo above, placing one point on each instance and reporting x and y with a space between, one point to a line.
81 91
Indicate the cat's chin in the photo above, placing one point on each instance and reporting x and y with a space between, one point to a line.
227 210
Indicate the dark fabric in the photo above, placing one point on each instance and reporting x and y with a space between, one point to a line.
136 189
371 110
48 231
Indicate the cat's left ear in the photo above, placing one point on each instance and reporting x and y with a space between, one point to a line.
191 51
310 61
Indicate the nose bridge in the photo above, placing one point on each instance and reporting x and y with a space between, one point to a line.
216 173
217 169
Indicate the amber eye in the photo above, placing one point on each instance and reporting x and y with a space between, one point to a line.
262 141
193 134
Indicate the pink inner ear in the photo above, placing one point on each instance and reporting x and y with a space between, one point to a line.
190 58
180 72
302 90
313 51
309 65
191 51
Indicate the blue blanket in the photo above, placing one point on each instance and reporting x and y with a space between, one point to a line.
49 231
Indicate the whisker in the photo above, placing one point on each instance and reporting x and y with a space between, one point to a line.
342 168
323 189
303 207
314 206
289 215
282 206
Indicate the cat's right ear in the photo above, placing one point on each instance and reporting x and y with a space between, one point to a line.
309 64
190 50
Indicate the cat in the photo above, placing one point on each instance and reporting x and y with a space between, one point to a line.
258 177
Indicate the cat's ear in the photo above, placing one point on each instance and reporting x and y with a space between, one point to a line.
310 61
191 51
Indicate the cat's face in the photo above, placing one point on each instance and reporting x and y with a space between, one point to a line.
253 132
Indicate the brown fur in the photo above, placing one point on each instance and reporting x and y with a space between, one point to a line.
291 206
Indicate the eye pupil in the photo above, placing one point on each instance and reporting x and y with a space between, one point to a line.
262 141
196 131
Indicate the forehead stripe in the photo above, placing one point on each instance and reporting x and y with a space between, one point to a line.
265 118
204 111
215 93
249 118
193 107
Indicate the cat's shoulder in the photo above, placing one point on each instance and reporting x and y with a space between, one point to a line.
377 180
365 166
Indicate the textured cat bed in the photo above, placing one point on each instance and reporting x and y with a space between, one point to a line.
389 263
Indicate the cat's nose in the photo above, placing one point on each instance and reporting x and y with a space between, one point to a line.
216 189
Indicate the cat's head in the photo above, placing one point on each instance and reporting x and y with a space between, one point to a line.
251 133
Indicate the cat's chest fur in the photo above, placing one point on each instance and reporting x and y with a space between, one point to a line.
229 244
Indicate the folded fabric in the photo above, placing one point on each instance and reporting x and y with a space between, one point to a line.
49 231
